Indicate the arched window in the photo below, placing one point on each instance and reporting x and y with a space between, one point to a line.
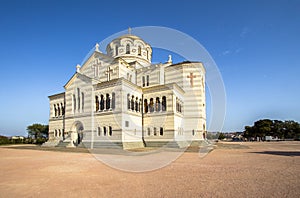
113 100
55 133
55 110
99 131
193 132
110 131
164 103
139 50
101 102
157 104
147 54
147 80
78 98
58 110
62 109
132 103
97 103
116 50
146 106
74 103
161 131
143 80
136 104
127 49
149 131
154 131
82 99
107 101
104 131
128 101
151 105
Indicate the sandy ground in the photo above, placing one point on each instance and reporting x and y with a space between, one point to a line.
269 169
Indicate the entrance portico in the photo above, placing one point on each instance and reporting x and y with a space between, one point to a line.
76 134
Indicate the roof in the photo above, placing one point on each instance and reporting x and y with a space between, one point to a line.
169 86
57 95
187 62
128 36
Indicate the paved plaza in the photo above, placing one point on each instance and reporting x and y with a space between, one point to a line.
232 169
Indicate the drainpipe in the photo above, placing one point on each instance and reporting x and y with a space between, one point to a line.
142 109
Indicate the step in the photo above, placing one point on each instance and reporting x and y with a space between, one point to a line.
62 144
50 144
171 144
108 144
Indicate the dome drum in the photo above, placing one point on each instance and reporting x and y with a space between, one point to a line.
129 46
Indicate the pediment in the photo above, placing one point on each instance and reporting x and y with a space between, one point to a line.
97 58
86 71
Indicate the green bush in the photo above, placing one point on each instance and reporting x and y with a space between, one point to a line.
40 140
4 140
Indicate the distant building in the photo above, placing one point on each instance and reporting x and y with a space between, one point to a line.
17 138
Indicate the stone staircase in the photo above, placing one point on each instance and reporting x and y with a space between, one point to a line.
167 144
62 144
106 145
50 144
202 146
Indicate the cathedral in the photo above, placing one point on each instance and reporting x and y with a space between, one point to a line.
120 98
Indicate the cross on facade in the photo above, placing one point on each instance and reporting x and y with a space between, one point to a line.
191 77
108 71
96 65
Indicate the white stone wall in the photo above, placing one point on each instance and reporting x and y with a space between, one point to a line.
131 119
173 74
56 124
154 72
194 97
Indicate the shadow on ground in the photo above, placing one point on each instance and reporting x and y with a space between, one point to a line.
282 153
231 146
40 148
139 151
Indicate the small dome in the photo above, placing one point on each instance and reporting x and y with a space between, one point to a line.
131 48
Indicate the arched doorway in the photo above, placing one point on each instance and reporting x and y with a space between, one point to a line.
77 133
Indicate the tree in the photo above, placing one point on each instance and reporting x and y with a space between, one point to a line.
4 140
38 131
291 129
221 136
275 128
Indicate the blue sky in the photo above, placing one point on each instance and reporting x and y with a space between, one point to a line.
255 45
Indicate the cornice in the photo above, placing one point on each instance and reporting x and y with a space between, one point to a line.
55 96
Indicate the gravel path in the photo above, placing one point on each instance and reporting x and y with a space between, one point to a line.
250 169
